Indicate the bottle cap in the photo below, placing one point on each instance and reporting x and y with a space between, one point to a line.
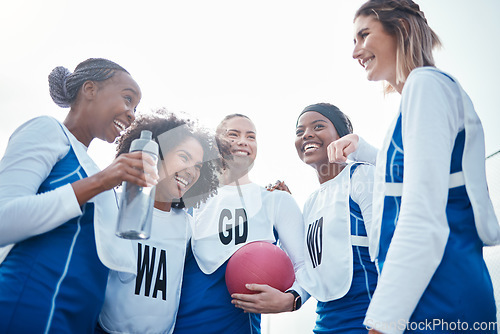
145 143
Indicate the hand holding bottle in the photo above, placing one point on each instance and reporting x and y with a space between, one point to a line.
136 204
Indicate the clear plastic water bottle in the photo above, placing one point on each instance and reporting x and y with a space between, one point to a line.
136 203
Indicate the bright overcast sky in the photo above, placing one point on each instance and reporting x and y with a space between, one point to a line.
263 58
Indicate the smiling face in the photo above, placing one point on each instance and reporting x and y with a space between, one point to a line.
375 50
241 136
113 105
314 133
179 170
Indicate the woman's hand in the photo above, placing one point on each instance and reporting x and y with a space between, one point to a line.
136 167
280 185
266 300
339 149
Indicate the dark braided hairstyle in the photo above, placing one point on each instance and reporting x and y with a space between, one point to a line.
64 85
160 122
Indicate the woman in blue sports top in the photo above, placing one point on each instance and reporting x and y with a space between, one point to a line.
241 212
338 271
432 214
58 210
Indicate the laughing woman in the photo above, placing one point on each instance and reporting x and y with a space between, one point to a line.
240 213
59 209
147 301
432 211
338 271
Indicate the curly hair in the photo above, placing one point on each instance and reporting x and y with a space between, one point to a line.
160 122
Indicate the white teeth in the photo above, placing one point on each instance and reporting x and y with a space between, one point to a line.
242 153
311 146
119 125
366 62
182 181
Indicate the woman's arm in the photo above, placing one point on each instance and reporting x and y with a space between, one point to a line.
351 147
134 167
33 150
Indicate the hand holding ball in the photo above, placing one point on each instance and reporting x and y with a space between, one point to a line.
259 262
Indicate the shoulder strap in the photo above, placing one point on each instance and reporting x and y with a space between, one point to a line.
354 166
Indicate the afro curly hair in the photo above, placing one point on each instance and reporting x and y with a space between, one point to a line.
159 122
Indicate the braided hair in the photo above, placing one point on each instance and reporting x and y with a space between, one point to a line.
415 39
64 85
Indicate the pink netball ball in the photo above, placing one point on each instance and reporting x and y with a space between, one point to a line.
259 262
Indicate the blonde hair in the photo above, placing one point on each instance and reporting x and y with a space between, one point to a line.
415 39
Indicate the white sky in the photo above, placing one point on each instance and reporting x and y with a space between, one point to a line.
266 59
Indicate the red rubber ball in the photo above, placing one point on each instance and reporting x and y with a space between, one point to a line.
259 262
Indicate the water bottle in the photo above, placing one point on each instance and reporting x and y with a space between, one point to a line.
136 203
